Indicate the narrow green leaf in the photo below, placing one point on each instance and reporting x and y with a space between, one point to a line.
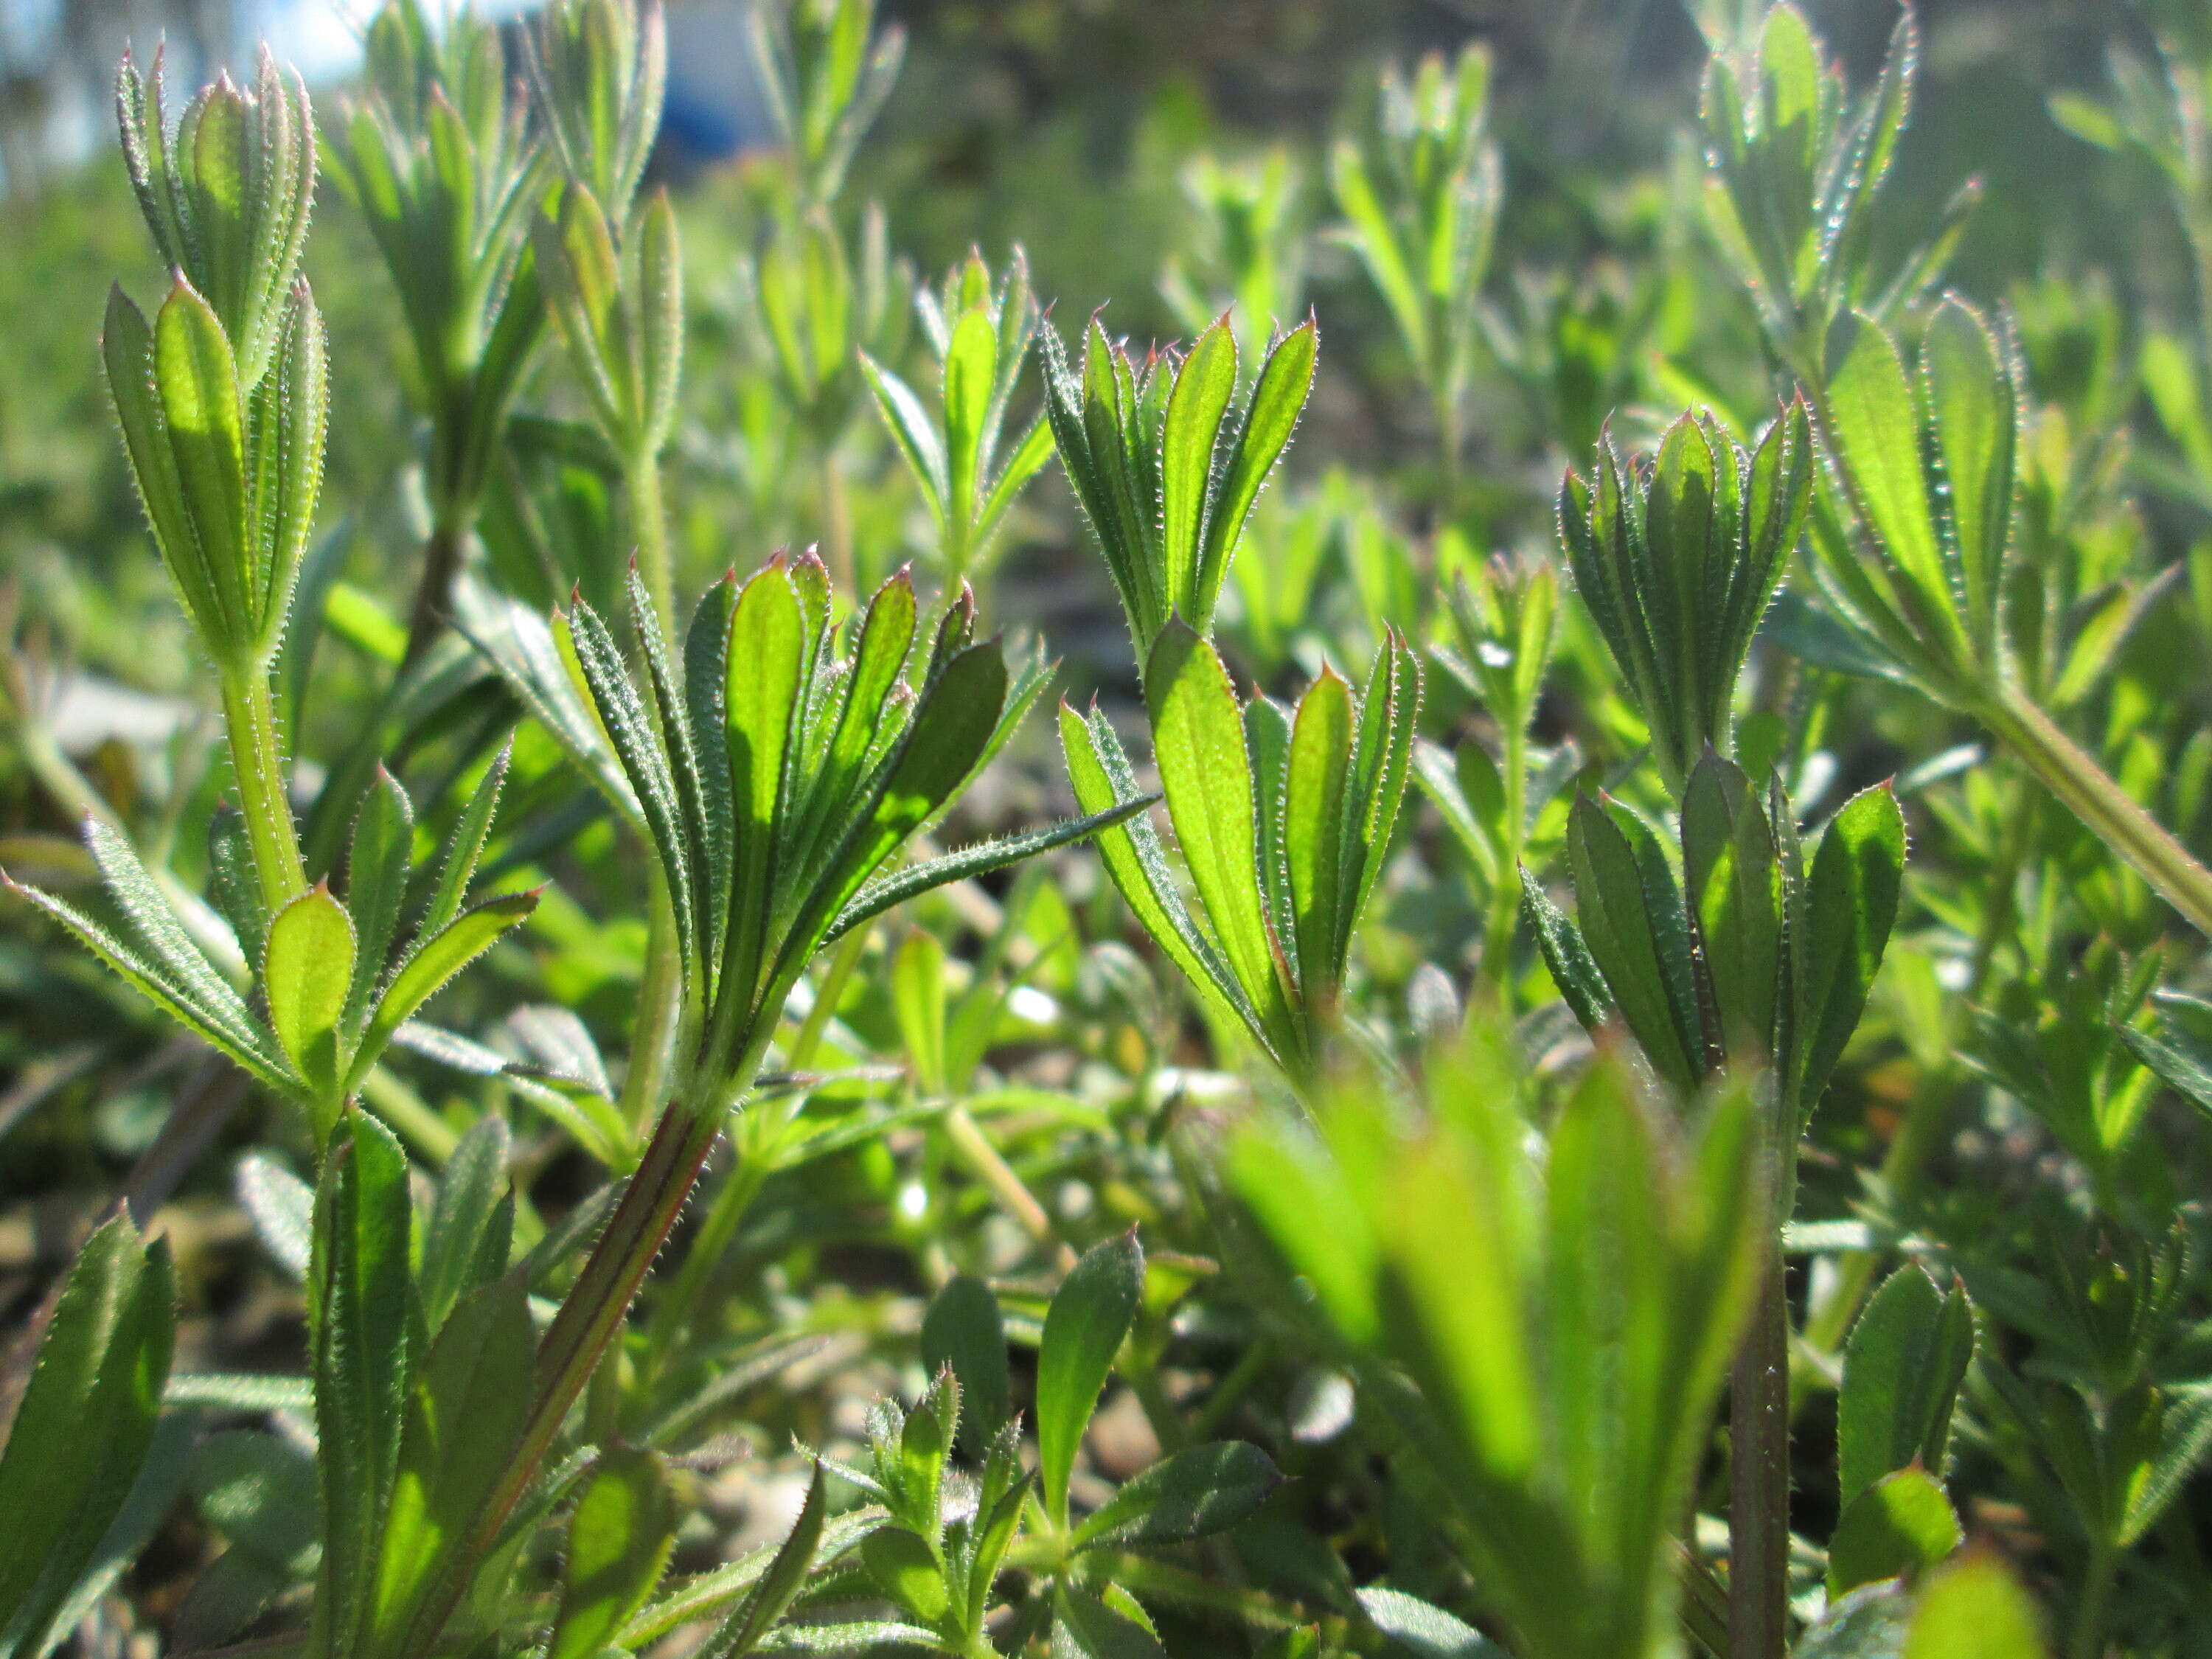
471 1227
953 724
1100 774
1194 1493
464 1419
197 384
618 1542
1899 1527
84 1425
1732 875
1574 971
970 374
154 921
376 888
963 1331
1315 828
2184 1438
886 892
910 425
704 1595
1876 435
426 971
1205 382
1286 382
1198 731
465 849
767 645
1084 1628
1089 1314
1850 903
127 348
283 1210
360 1358
305 973
255 1052
1422 1628
779 1583
635 740
1625 941
1969 397
1903 1365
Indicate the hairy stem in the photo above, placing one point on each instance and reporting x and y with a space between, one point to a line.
591 1315
1759 1498
249 713
2109 812
441 562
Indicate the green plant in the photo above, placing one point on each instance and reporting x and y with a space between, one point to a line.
1421 197
439 158
1283 817
612 272
1248 247
981 336
1747 960
1167 465
1566 1308
546 1318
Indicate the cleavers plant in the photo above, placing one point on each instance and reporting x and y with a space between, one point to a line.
1612 1204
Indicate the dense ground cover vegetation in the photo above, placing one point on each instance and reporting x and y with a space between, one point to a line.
637 1023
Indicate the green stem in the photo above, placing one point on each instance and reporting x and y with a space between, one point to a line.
441 562
249 713
591 1315
984 1162
1231 1390
2087 1641
659 1009
1759 1476
734 1200
2109 812
649 530
1451 440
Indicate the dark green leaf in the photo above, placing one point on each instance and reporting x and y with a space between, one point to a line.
1903 1365
1084 1628
376 887
360 1357
82 1429
463 1420
1194 1493
962 1330
1850 903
